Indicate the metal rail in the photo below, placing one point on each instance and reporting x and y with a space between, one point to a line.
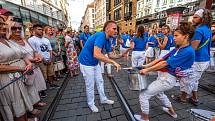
52 108
124 103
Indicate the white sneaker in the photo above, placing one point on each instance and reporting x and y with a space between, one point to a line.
138 117
167 111
110 102
94 109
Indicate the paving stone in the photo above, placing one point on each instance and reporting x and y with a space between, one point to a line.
116 112
81 118
105 115
94 117
121 118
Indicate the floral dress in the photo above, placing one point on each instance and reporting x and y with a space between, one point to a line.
72 58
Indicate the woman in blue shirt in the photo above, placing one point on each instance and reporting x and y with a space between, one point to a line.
151 44
164 43
170 66
138 45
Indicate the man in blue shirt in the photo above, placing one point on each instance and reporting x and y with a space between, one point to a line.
89 59
84 36
201 42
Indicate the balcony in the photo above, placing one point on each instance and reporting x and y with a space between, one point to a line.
128 15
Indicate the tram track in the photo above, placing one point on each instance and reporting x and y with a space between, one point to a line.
128 111
52 108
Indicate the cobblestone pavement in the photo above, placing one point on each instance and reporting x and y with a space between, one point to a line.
73 107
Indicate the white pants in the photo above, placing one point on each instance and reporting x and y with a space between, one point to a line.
103 66
138 58
91 75
122 50
150 52
198 68
163 53
163 83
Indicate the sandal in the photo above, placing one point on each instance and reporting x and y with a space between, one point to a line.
179 100
35 112
41 104
194 102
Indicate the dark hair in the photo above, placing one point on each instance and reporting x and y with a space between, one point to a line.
86 26
166 26
186 28
140 31
207 17
107 23
37 25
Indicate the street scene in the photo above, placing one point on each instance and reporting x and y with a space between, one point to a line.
107 60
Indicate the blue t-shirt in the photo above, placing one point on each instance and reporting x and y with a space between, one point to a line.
182 59
152 39
86 56
168 44
113 41
84 37
146 35
202 34
125 38
172 42
139 43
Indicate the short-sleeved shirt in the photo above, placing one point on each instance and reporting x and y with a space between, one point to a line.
172 42
152 39
86 56
125 38
139 43
53 42
168 44
202 34
41 45
84 37
146 35
182 59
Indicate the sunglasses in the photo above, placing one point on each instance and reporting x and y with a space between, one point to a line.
16 28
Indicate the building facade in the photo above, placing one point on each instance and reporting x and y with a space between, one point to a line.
89 17
47 12
101 14
124 13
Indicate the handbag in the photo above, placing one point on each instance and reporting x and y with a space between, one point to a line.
59 65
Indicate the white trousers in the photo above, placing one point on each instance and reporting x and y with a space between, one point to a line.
91 75
163 53
137 58
107 65
198 68
163 83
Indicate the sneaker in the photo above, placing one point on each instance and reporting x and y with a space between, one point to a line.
110 102
138 117
167 111
94 109
54 86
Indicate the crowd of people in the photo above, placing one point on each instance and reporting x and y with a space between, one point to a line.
43 58
31 65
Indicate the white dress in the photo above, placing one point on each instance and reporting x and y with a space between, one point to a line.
14 101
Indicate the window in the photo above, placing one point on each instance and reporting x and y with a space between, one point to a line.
92 10
117 2
158 2
117 14
93 15
164 2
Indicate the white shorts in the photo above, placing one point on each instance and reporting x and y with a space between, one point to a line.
150 52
